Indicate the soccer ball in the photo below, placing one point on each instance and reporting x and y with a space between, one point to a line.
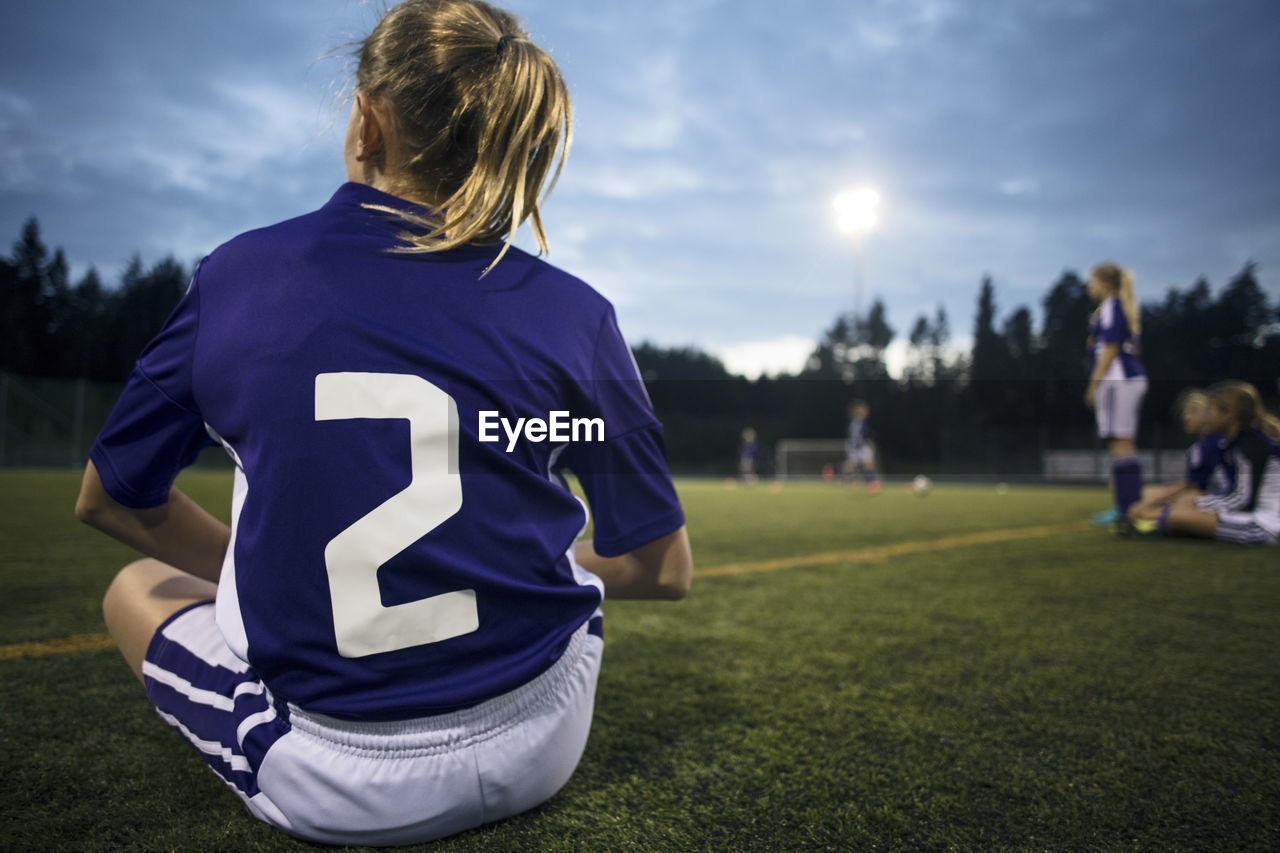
921 485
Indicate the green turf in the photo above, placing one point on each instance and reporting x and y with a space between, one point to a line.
1073 692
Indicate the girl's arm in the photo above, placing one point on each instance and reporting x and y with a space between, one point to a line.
178 532
661 569
1151 506
1108 355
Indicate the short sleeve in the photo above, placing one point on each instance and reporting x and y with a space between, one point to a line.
625 476
1113 327
155 428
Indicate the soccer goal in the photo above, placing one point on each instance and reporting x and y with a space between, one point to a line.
807 457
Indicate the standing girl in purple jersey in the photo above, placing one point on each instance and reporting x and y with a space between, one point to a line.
399 635
1117 381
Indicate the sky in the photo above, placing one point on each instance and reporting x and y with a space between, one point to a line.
1005 138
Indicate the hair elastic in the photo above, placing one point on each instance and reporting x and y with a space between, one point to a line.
503 42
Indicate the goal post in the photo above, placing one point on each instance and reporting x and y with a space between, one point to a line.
806 457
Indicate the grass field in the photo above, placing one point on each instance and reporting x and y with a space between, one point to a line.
965 671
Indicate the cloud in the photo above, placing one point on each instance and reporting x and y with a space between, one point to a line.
710 138
1019 186
17 168
628 180
785 354
209 146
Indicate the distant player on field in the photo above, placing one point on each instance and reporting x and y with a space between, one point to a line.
859 447
406 636
1250 512
1117 380
748 456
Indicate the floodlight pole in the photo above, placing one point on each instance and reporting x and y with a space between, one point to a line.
857 275
856 214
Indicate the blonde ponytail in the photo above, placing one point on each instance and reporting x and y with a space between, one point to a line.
480 113
1129 302
1245 404
1119 281
1269 424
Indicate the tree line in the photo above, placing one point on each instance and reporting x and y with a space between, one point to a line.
1017 390
54 328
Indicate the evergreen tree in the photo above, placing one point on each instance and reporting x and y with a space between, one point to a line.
138 309
988 368
53 347
872 336
853 348
928 363
1062 358
87 343
25 304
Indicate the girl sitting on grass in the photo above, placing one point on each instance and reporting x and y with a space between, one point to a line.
1250 512
1206 471
407 630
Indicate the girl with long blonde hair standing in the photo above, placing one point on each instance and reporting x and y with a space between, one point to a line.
1117 380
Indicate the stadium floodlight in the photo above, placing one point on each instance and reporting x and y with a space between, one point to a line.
857 210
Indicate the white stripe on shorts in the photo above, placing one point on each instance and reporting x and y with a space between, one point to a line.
208 747
186 688
251 722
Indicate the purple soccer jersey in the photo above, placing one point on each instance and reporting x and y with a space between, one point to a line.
388 560
1207 466
1109 325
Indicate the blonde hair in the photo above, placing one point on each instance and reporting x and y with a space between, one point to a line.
479 114
1245 404
1120 282
1190 397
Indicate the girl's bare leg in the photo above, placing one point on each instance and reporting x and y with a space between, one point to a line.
143 595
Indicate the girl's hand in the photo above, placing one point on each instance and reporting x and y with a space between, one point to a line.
1089 394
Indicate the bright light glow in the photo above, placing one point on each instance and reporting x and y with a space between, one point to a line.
857 210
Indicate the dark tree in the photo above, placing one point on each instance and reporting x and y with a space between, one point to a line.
138 310
928 363
25 303
988 369
1063 360
852 350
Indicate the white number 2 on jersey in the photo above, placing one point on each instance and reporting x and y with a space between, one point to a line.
362 624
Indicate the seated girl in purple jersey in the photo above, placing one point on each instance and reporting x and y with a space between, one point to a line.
1250 512
1206 470
399 635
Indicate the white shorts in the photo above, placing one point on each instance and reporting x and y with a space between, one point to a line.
863 456
375 783
1117 404
1242 528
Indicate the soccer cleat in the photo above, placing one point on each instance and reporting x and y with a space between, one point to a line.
1123 529
1146 527
1107 516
